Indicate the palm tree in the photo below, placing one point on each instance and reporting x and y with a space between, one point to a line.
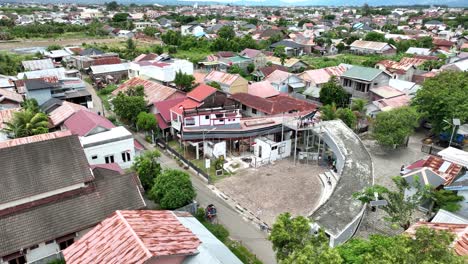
31 105
27 123
359 107
329 112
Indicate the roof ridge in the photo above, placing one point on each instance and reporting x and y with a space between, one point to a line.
137 238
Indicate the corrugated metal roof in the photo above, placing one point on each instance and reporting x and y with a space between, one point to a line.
154 92
101 69
372 45
362 73
443 216
133 237
35 138
12 96
321 76
222 77
63 112
33 65
6 115
201 92
263 89
84 121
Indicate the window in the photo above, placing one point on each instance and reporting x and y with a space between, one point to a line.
219 115
281 150
125 156
207 117
244 107
17 260
189 121
94 157
109 159
49 242
346 82
34 247
64 244
274 148
362 87
254 111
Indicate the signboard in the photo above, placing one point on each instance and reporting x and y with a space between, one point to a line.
207 163
378 203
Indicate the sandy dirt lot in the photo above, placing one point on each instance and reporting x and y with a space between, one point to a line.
273 189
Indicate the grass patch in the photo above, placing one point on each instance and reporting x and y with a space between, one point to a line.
367 60
222 234
211 171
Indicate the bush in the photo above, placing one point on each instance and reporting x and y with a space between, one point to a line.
108 89
172 189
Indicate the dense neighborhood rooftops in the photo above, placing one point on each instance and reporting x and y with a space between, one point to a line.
362 73
38 84
12 96
342 208
222 77
66 215
371 45
103 69
33 65
38 167
321 76
64 111
134 237
201 92
386 91
164 107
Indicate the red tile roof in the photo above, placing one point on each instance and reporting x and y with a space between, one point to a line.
460 243
201 92
106 61
274 105
133 237
154 92
186 104
84 121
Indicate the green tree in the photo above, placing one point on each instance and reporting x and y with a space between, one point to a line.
294 242
147 168
172 189
112 6
150 31
347 116
375 36
120 17
332 92
328 112
226 32
392 128
146 121
127 107
27 123
131 48
54 47
427 246
184 81
138 90
158 49
30 105
280 53
399 208
442 98
446 199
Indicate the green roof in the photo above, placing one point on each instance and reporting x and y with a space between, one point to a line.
362 73
239 59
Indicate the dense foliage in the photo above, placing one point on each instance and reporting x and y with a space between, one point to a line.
27 123
52 29
443 97
332 92
172 189
128 105
392 128
147 168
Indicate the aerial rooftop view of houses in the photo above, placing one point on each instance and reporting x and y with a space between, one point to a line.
206 132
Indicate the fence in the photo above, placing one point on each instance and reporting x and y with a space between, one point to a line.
183 159
430 149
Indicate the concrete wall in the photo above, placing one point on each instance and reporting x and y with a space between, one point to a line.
271 152
42 251
349 231
214 150
111 148
240 85
212 120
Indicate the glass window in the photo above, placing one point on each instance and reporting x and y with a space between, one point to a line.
254 111
109 159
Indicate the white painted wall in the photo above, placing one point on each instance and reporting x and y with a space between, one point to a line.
112 148
42 251
162 74
212 120
214 150
270 151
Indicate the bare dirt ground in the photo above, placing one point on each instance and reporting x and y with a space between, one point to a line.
273 189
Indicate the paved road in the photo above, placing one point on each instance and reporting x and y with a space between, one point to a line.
239 228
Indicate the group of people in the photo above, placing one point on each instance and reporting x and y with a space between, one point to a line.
210 212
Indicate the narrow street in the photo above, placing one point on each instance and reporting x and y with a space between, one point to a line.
240 229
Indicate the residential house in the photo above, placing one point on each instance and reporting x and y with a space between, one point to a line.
163 114
257 56
9 99
7 83
67 89
409 88
230 83
226 63
285 82
402 70
57 55
154 92
255 106
59 111
102 141
419 51
372 47
292 64
112 73
291 48
444 45
34 65
460 65
263 72
192 29
317 78
163 69
359 80
204 106
422 177
150 236
41 220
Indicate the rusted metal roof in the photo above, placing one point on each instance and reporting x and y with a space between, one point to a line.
321 76
222 77
6 115
460 244
154 92
63 112
372 45
133 237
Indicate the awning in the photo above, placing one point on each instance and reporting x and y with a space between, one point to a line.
297 85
